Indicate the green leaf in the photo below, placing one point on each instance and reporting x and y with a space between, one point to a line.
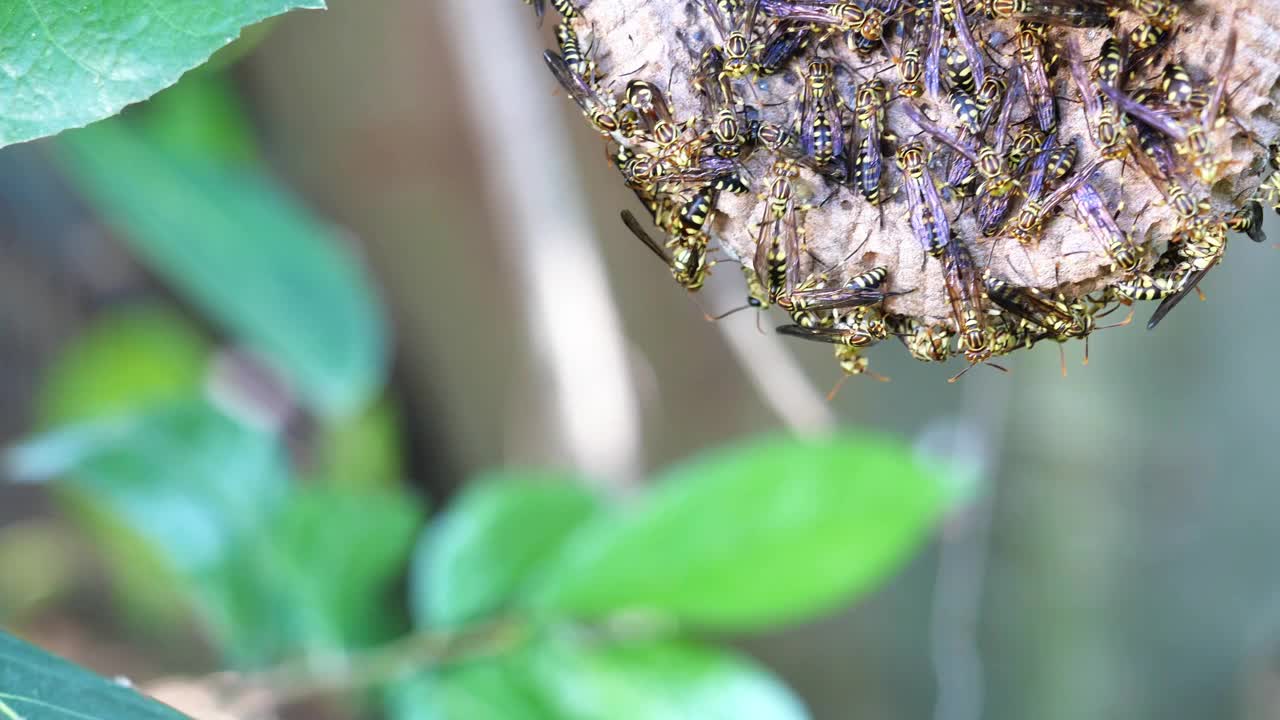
361 451
245 252
202 115
69 64
35 685
324 575
762 534
126 360
659 680
494 689
490 541
569 678
170 494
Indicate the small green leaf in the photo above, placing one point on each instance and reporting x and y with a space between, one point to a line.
69 64
659 680
35 685
334 557
126 360
245 252
753 536
364 450
490 541
493 689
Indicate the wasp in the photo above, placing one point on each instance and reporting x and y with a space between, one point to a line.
1155 163
575 55
776 261
845 17
971 70
1193 141
1201 251
1248 220
821 124
601 111
926 343
1063 319
989 158
975 114
959 67
564 7
737 32
1269 191
927 215
784 42
1106 126
965 293
1176 85
728 136
688 260
858 330
1118 245
868 166
1163 14
859 291
1073 13
1029 42
1032 212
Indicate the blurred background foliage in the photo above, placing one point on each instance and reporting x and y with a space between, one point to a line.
272 406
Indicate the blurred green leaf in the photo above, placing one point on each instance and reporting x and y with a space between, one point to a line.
494 689
362 451
184 497
247 253
658 680
127 359
203 116
753 536
567 678
35 685
69 64
170 493
486 545
323 575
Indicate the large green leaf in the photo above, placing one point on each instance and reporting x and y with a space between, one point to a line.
68 64
170 494
35 685
482 550
747 537
245 251
658 680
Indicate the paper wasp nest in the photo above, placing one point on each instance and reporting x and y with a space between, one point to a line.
664 42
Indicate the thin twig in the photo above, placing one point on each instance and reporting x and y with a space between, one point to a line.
962 557
258 694
537 206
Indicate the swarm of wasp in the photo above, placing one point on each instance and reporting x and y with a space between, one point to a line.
964 178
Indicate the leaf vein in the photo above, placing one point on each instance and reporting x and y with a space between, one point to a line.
35 12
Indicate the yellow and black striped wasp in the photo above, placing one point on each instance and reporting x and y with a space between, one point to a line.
687 261
737 27
600 108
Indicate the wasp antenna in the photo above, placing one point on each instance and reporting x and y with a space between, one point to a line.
725 314
835 389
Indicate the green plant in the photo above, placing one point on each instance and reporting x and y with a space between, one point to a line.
529 596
